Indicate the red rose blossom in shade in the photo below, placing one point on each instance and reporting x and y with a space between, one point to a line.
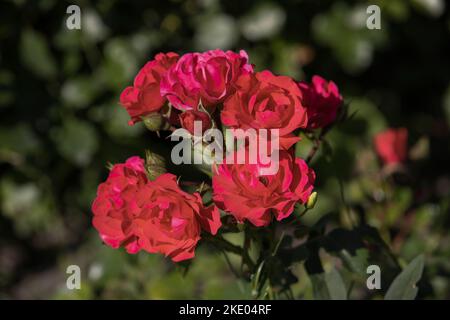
156 216
322 101
207 76
188 118
242 192
144 96
391 145
265 101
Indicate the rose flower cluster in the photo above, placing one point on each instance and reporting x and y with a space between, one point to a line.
139 210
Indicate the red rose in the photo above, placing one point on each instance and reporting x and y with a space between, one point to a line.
188 118
322 101
207 76
155 216
392 145
241 191
265 101
144 96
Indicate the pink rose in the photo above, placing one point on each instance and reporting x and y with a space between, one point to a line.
242 192
207 76
391 145
265 101
156 216
144 96
322 101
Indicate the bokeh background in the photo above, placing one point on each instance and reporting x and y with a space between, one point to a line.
60 124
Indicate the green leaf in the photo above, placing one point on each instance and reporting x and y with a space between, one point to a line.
265 21
319 285
336 286
404 285
303 147
329 286
120 63
36 55
216 31
79 91
355 263
77 141
28 207
18 139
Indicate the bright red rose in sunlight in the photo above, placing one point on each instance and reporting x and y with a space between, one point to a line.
144 96
265 101
156 216
322 101
207 76
188 118
391 145
240 190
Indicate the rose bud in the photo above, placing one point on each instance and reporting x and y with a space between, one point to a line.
155 165
311 203
188 118
154 121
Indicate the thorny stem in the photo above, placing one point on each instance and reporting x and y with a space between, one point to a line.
230 265
228 246
350 288
317 143
246 246
278 244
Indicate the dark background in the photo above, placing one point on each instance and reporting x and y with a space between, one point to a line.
60 123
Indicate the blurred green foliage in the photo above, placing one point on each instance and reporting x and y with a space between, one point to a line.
61 124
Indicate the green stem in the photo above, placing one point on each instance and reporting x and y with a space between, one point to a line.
317 143
228 246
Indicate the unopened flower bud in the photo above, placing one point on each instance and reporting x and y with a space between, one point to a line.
154 164
311 200
189 118
154 121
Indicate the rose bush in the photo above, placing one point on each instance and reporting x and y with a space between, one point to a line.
141 207
156 215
